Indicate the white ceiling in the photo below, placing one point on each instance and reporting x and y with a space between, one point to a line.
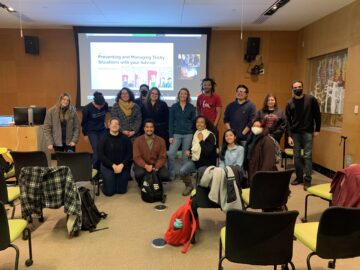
223 14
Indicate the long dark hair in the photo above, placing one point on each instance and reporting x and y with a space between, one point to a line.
131 94
148 100
265 106
225 144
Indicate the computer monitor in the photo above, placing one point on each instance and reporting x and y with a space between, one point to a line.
29 115
39 114
21 116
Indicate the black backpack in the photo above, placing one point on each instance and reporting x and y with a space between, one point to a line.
91 216
152 189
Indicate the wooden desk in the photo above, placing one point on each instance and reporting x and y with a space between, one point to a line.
23 138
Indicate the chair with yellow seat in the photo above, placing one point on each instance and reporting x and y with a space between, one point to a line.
257 238
321 191
335 236
268 190
10 230
8 195
6 157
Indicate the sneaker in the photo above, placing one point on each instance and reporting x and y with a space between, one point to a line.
307 184
187 190
297 182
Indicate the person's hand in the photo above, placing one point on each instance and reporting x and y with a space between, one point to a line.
149 168
171 140
316 133
126 133
290 141
120 167
114 166
187 153
50 147
72 144
131 133
200 136
86 138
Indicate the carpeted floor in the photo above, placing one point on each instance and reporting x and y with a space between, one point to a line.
133 224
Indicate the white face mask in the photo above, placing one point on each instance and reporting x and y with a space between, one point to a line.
257 130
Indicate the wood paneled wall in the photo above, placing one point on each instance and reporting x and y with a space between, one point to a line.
334 32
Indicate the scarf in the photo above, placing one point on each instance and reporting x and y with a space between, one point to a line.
195 146
126 107
64 114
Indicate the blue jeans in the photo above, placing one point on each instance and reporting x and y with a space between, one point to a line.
185 142
303 141
94 138
187 168
115 183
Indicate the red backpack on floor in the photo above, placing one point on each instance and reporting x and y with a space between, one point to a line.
182 236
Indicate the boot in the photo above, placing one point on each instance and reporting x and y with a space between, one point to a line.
188 185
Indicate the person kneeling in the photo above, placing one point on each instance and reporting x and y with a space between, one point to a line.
149 154
115 154
203 152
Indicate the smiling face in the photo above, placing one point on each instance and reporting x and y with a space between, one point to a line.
114 126
230 137
125 95
154 95
206 86
149 129
271 102
241 94
183 96
200 123
65 101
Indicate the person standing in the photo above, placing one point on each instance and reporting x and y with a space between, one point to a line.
62 126
181 119
115 153
157 110
128 112
143 91
149 153
304 122
273 117
240 114
93 124
208 103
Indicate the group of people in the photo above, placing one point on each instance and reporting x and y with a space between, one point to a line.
147 134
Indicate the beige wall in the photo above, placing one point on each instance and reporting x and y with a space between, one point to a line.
38 80
337 31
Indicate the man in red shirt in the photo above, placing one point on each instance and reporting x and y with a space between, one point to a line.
208 103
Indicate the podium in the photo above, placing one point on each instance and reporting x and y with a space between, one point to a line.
23 138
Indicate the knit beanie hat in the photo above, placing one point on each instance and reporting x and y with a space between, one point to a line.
99 98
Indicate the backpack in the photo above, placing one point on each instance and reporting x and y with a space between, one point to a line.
91 216
278 154
151 188
184 235
6 161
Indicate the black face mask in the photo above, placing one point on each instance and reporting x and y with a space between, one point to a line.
298 91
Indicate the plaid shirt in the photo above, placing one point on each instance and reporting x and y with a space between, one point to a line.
49 187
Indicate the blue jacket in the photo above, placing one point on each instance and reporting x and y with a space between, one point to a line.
181 121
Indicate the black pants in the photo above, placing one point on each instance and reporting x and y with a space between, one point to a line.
162 173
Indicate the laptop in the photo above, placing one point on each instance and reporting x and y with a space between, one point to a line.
5 120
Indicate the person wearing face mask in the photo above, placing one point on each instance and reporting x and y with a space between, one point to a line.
202 152
93 124
260 151
62 126
143 90
303 122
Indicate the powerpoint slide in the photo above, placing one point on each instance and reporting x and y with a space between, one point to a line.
115 65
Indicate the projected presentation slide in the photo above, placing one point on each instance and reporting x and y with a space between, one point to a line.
108 62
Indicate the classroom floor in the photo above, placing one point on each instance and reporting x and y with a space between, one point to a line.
133 224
